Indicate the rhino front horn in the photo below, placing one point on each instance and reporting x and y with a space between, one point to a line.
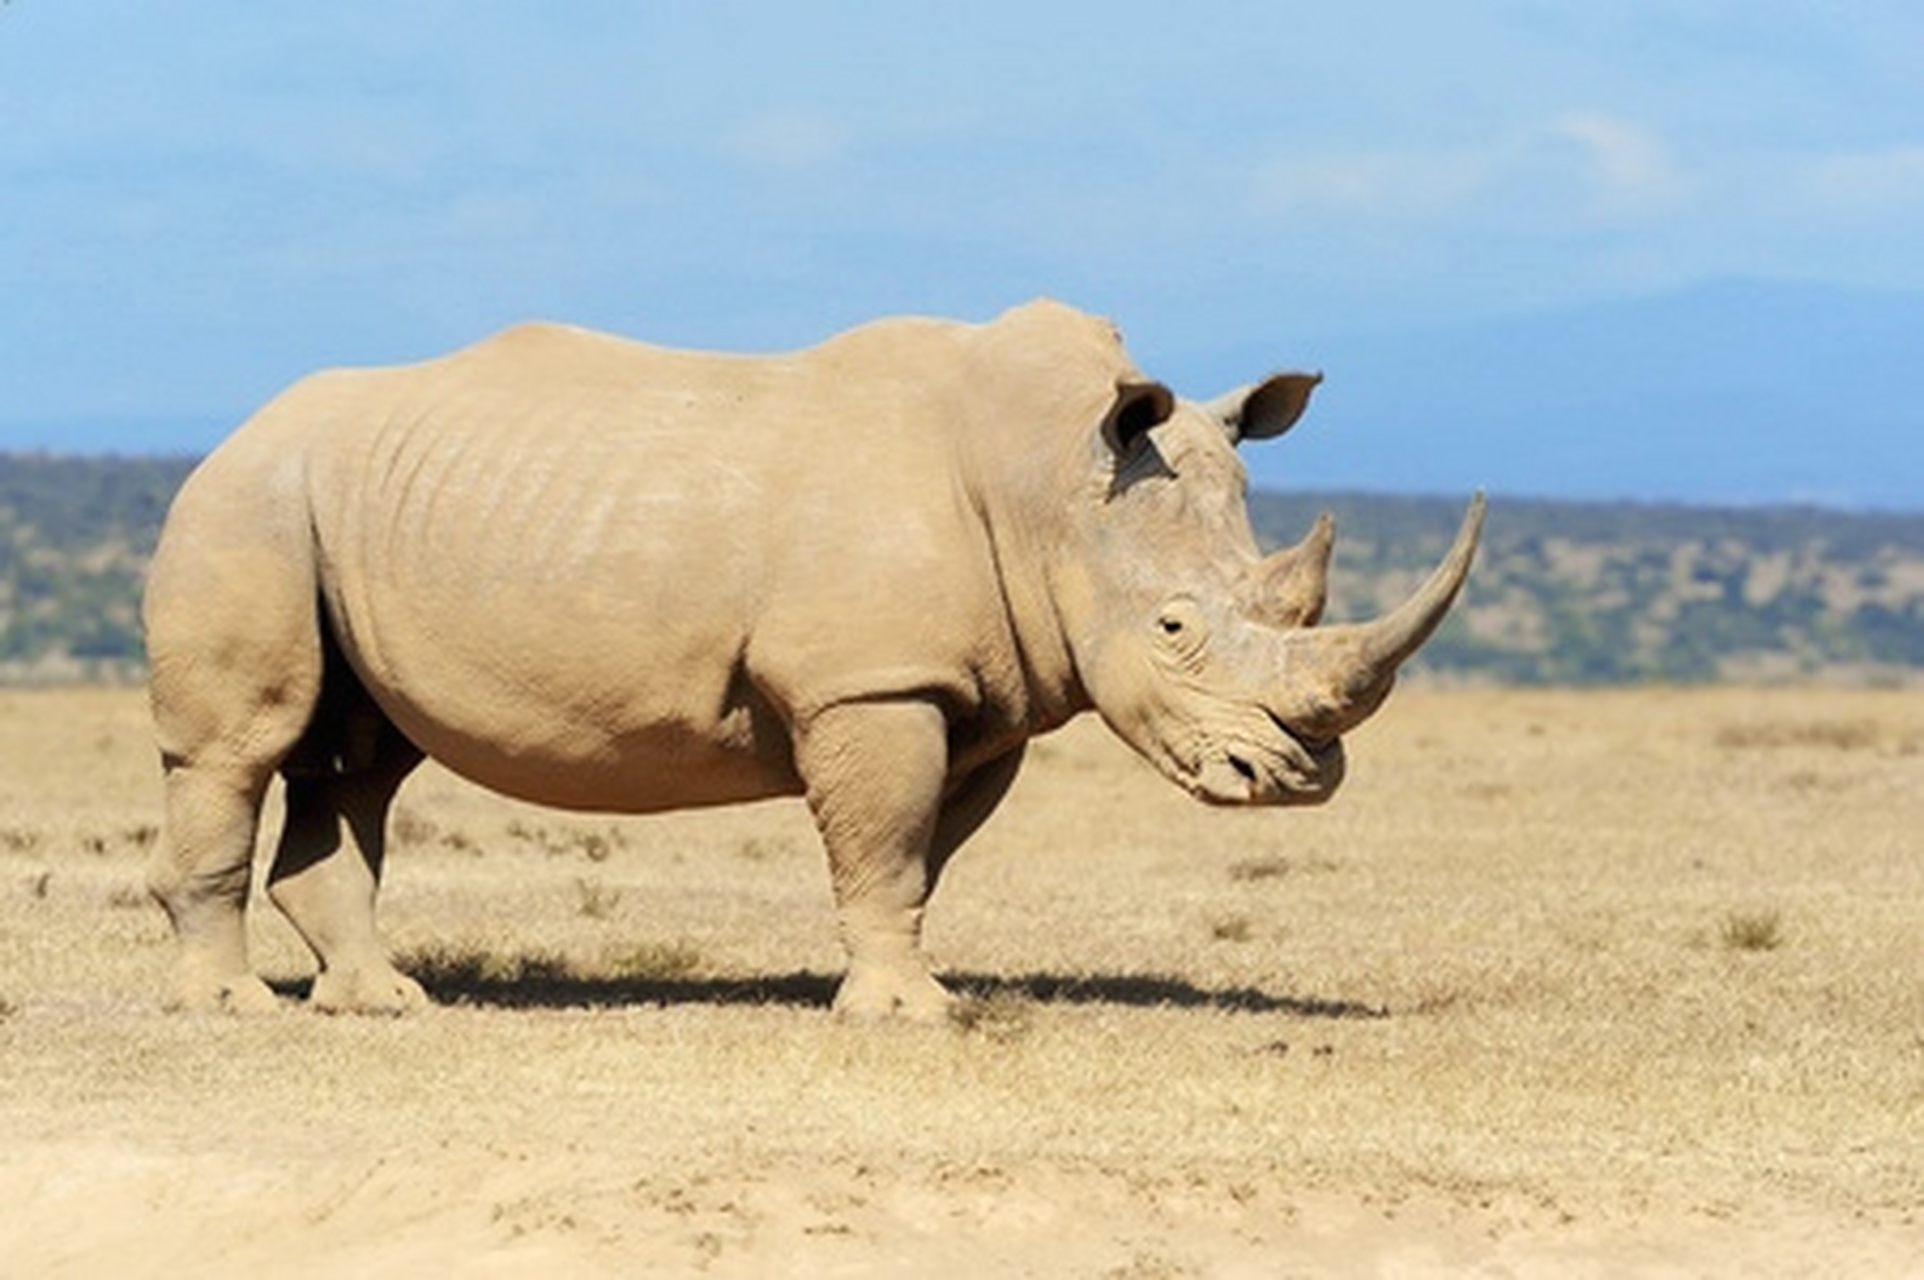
1334 677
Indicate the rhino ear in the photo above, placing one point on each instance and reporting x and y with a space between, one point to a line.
1139 406
1264 409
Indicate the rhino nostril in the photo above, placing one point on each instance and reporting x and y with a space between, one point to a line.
1313 741
1243 767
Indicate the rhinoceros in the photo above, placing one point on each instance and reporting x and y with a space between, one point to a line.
604 575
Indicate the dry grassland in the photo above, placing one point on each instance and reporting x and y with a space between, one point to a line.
1594 984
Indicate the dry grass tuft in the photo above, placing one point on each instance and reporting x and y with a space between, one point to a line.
19 839
512 975
1753 931
1000 1017
594 845
1276 867
761 848
653 962
1829 735
1232 929
558 840
594 899
408 827
475 964
129 895
1250 870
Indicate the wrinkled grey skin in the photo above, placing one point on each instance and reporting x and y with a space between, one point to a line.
602 575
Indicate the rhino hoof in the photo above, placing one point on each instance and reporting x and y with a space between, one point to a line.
373 989
878 995
242 995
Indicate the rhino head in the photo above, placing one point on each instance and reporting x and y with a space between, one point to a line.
1202 653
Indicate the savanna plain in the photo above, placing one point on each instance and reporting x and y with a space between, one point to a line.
1601 983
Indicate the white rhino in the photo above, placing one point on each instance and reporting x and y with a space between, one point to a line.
603 575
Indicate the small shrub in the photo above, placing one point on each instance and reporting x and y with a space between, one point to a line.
1753 931
40 883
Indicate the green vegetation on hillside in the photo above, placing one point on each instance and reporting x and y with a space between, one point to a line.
1585 594
1563 593
75 536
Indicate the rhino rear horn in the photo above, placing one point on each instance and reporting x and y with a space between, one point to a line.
1291 586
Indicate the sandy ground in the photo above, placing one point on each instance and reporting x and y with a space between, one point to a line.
1564 985
106 1208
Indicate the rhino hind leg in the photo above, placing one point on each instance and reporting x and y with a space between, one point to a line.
874 773
201 876
341 780
228 704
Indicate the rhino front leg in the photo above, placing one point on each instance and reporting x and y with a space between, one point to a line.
875 774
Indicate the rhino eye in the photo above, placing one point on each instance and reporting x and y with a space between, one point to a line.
1177 620
1183 633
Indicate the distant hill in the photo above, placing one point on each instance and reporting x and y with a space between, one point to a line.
1563 593
75 537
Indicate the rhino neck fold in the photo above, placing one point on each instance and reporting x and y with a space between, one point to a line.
1048 688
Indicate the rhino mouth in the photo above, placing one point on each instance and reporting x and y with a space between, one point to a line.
1274 767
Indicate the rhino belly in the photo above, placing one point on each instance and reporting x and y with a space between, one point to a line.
570 697
549 761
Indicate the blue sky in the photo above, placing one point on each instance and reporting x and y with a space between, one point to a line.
204 201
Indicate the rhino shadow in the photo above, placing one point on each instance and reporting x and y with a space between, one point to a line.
539 986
